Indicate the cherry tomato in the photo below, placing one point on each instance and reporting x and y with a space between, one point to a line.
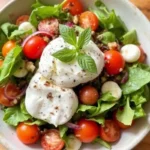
22 19
110 132
73 6
28 134
34 47
88 95
1 62
8 46
12 90
49 25
51 140
142 56
87 131
89 19
114 62
120 124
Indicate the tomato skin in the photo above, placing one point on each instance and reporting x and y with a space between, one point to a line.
73 6
110 132
142 58
28 134
114 62
87 131
1 62
88 19
34 47
12 90
49 25
22 19
88 95
51 140
8 46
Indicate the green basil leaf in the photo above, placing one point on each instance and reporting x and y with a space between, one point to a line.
87 63
18 34
84 38
107 37
130 38
3 39
137 79
13 116
65 55
11 64
103 143
8 28
68 34
126 115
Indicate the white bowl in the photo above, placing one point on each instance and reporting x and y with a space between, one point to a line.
133 19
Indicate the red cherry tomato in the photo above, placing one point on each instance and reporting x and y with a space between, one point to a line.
34 47
28 134
51 140
87 131
110 132
89 20
8 46
120 124
73 6
12 90
142 58
114 62
88 95
22 19
49 25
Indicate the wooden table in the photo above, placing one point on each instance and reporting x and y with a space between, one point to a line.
144 5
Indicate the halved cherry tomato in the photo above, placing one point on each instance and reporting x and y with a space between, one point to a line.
1 62
110 132
34 47
22 19
8 46
142 56
88 19
88 95
73 6
120 124
87 131
49 25
12 90
51 140
28 134
114 62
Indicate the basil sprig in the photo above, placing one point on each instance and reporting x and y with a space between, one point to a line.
66 55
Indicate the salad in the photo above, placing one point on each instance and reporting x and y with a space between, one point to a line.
70 76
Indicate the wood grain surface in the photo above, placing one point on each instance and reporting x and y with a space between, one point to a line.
144 5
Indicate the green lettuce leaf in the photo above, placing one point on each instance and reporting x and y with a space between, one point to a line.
126 115
103 143
137 79
98 119
139 112
107 97
13 116
130 38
